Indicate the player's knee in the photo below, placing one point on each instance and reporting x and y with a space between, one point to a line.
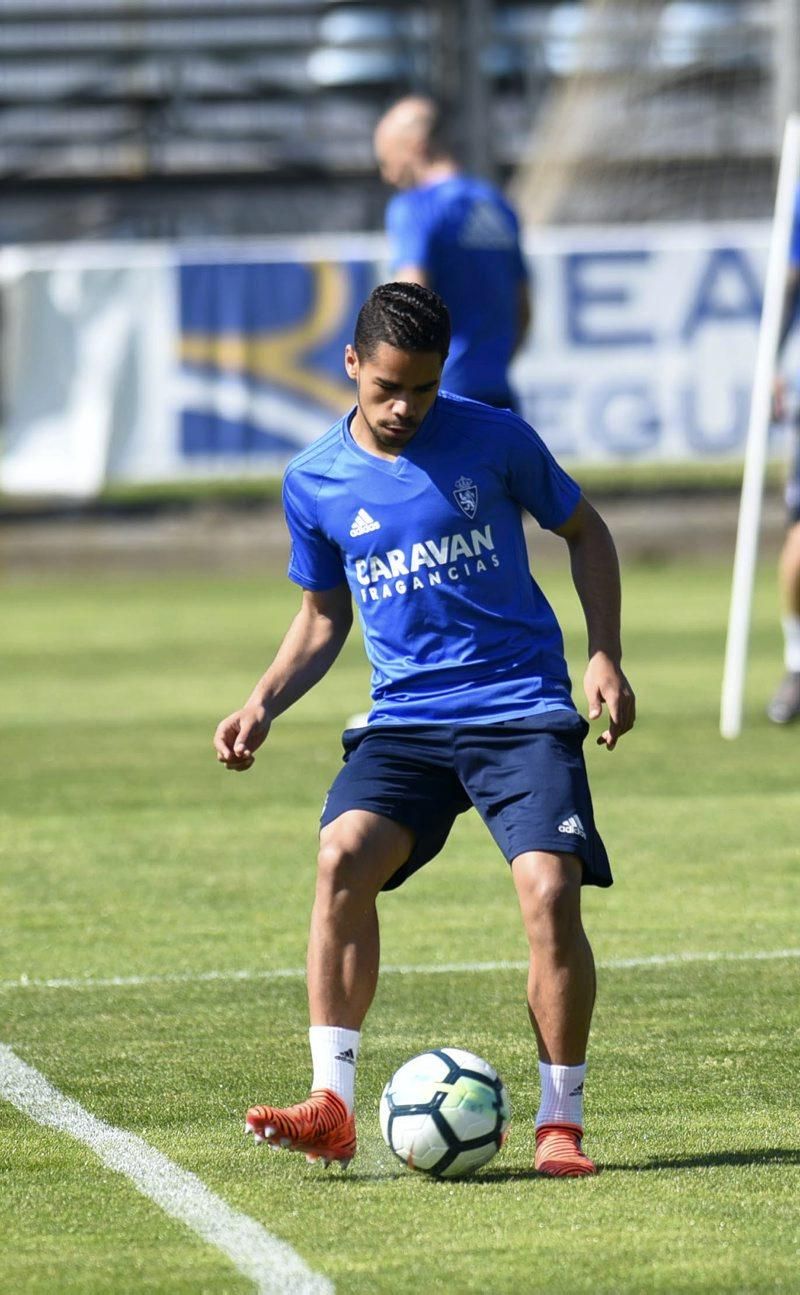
334 862
550 897
340 867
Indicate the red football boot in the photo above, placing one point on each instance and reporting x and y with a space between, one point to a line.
321 1127
559 1154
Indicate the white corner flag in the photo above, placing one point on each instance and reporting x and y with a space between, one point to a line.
744 563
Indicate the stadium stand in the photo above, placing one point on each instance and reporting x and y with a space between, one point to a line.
656 111
164 118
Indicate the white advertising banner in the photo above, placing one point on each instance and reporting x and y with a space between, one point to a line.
645 340
87 363
158 363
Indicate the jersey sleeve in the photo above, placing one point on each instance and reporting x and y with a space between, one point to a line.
408 232
314 562
537 482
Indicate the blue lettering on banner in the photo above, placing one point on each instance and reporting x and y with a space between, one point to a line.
545 407
636 420
587 323
625 418
728 438
629 374
728 291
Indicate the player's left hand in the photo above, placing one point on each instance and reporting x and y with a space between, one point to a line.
604 682
239 736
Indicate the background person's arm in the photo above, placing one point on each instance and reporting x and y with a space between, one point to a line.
524 313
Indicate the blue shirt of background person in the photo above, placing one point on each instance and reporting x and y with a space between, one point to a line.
457 235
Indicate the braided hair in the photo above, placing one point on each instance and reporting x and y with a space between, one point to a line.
404 315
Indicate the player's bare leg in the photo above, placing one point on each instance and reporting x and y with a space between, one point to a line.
561 993
359 852
785 704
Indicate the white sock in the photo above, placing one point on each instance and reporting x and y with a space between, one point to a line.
334 1052
562 1094
791 642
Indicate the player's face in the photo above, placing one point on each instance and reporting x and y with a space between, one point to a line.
395 391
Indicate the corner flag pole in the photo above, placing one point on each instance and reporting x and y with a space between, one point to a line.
744 564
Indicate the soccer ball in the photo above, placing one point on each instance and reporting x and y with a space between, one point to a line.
445 1112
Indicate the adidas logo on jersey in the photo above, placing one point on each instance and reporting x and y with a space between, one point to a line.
487 226
572 826
363 524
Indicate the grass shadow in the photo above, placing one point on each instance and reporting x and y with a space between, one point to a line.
765 1156
768 1156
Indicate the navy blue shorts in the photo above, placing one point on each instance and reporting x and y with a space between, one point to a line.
526 778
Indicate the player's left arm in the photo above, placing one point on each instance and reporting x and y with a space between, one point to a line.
595 574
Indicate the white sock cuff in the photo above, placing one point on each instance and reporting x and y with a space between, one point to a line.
791 642
335 1035
334 1053
562 1094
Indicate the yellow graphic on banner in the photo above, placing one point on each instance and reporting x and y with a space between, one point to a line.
278 356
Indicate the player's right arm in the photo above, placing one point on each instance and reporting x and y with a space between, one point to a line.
309 649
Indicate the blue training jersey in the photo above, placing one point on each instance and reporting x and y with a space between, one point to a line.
431 544
465 236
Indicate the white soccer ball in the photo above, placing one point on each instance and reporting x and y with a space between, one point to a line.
445 1112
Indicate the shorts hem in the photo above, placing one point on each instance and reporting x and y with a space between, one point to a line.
591 875
327 819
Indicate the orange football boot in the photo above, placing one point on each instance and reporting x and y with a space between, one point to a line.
559 1154
321 1127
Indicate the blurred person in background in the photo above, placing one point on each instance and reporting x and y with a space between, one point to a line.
458 235
785 704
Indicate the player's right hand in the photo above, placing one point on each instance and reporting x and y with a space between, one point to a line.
239 736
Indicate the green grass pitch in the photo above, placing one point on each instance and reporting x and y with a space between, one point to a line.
129 852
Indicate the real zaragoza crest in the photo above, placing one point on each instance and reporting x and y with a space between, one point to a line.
465 494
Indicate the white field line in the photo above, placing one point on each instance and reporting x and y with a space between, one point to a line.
429 969
274 1267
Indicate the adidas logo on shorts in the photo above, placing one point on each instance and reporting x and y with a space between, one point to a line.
572 826
363 524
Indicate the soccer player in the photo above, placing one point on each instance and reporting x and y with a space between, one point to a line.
411 507
457 235
785 704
